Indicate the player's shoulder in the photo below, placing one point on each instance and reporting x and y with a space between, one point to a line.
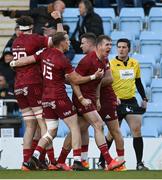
89 57
113 60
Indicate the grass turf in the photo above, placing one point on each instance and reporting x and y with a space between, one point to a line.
18 174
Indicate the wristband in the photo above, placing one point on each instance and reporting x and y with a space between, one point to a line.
13 63
93 77
58 20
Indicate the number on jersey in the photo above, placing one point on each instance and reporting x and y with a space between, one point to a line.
18 55
47 72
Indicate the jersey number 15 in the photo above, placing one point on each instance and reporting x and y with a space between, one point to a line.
47 72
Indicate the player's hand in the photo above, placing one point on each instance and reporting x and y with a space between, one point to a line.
6 12
56 14
98 104
85 102
13 63
99 73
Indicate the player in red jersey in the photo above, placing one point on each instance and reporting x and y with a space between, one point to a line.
28 83
108 108
88 65
56 103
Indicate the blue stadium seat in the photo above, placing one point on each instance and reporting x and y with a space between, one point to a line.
131 20
147 64
160 68
115 35
76 59
156 89
62 129
70 17
155 19
91 131
69 91
151 43
152 120
108 18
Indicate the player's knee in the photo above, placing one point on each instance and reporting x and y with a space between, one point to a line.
28 115
99 126
136 131
52 127
47 137
38 113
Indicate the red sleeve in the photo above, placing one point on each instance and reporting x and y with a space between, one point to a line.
83 66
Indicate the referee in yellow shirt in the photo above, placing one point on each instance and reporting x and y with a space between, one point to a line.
126 74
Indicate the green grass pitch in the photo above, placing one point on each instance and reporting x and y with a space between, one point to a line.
92 174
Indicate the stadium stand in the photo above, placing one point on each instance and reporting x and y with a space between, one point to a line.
147 64
151 43
108 18
7 24
152 120
155 19
131 20
156 89
160 68
70 17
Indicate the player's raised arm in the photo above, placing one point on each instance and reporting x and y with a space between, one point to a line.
57 16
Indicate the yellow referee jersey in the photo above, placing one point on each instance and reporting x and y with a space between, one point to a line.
124 77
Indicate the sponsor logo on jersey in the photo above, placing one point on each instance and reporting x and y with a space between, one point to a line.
126 74
23 91
67 113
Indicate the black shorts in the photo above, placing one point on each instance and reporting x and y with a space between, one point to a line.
129 106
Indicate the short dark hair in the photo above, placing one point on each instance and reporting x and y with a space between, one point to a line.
58 37
25 21
88 5
101 38
125 40
90 36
